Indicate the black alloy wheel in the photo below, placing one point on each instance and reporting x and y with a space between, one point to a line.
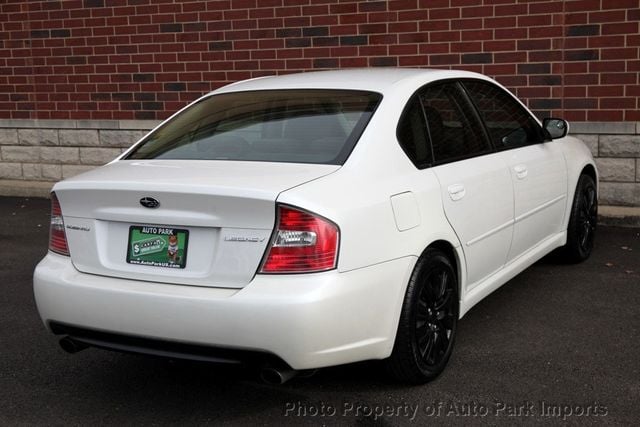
435 316
428 321
583 222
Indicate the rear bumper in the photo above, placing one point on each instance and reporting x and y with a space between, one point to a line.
309 321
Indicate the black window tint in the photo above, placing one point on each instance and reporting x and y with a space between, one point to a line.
453 132
509 124
412 134
300 126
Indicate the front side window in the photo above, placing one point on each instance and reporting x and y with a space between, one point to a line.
452 125
294 126
508 123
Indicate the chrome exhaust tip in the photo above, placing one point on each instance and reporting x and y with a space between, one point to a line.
275 376
72 346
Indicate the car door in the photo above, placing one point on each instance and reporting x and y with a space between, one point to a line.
476 187
537 168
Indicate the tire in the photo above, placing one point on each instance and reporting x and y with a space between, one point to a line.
428 321
582 222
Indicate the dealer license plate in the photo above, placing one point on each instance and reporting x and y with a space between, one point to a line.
157 246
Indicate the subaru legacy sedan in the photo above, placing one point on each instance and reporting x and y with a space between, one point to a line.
316 219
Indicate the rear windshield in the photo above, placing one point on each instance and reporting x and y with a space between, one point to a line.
298 126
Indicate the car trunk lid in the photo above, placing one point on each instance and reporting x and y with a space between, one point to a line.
226 208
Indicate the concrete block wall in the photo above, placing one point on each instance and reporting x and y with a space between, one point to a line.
51 150
616 147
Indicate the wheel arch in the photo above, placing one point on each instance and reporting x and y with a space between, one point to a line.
455 256
590 170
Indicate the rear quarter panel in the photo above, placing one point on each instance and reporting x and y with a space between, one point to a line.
357 197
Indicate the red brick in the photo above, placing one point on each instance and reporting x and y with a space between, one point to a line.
477 35
477 12
620 28
466 47
466 24
619 78
632 115
605 41
502 22
403 27
404 49
466 2
414 38
324 20
434 25
534 92
449 13
434 48
576 43
413 61
510 57
603 91
622 53
510 33
575 18
412 15
610 16
383 17
511 10
619 4
372 50
546 7
388 39
499 69
498 46
402 4
604 115
353 62
441 36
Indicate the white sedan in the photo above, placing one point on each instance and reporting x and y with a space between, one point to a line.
315 219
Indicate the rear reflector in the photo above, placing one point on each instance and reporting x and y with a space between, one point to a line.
57 236
302 243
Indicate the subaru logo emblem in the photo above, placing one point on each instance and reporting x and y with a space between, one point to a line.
149 202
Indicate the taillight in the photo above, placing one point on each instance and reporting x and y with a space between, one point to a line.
302 243
57 236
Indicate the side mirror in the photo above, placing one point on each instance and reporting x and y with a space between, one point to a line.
556 128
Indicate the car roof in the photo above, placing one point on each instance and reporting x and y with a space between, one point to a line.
380 80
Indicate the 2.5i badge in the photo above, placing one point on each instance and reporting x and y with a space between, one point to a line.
157 246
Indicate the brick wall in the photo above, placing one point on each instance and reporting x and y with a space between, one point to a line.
141 59
81 79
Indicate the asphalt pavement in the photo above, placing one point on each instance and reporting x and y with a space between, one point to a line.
559 343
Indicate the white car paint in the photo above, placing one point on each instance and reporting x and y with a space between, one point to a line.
499 213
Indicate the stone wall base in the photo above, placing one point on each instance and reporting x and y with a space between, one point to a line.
50 150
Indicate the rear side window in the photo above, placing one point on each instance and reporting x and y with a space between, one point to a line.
453 128
412 134
508 123
296 126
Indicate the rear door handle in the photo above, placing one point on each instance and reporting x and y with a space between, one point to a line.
456 191
521 171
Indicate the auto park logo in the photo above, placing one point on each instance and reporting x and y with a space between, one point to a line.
148 246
